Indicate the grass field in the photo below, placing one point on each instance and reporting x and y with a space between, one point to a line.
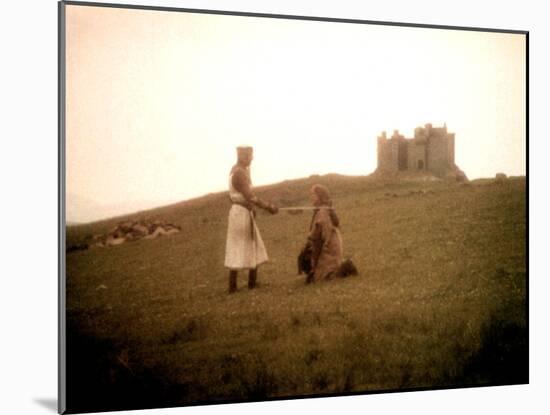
440 300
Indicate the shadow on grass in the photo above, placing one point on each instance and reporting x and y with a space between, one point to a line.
246 377
108 375
102 375
191 330
503 358
105 374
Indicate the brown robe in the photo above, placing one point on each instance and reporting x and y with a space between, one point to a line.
326 242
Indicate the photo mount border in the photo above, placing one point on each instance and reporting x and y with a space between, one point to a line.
62 408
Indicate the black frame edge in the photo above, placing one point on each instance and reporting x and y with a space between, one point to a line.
290 17
62 327
527 139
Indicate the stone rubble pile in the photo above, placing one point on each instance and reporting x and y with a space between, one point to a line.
130 231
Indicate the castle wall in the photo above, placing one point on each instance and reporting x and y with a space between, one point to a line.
403 155
451 149
393 154
417 152
387 154
438 153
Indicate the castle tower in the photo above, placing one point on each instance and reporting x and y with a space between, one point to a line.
440 151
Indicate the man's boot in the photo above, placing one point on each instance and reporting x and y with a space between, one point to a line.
252 276
232 281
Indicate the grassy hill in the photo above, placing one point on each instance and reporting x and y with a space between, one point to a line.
440 300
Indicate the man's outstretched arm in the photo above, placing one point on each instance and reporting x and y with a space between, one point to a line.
240 183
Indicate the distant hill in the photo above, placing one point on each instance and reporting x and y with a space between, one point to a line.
81 210
440 300
286 193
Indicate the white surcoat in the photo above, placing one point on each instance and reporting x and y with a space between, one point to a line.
244 247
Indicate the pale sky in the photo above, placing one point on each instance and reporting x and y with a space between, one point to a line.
158 101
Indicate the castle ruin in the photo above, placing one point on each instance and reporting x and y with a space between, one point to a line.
430 151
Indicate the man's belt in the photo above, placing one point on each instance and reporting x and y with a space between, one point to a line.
245 205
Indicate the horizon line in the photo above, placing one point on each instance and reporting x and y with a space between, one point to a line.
259 187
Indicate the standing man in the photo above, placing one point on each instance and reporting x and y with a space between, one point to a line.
244 249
